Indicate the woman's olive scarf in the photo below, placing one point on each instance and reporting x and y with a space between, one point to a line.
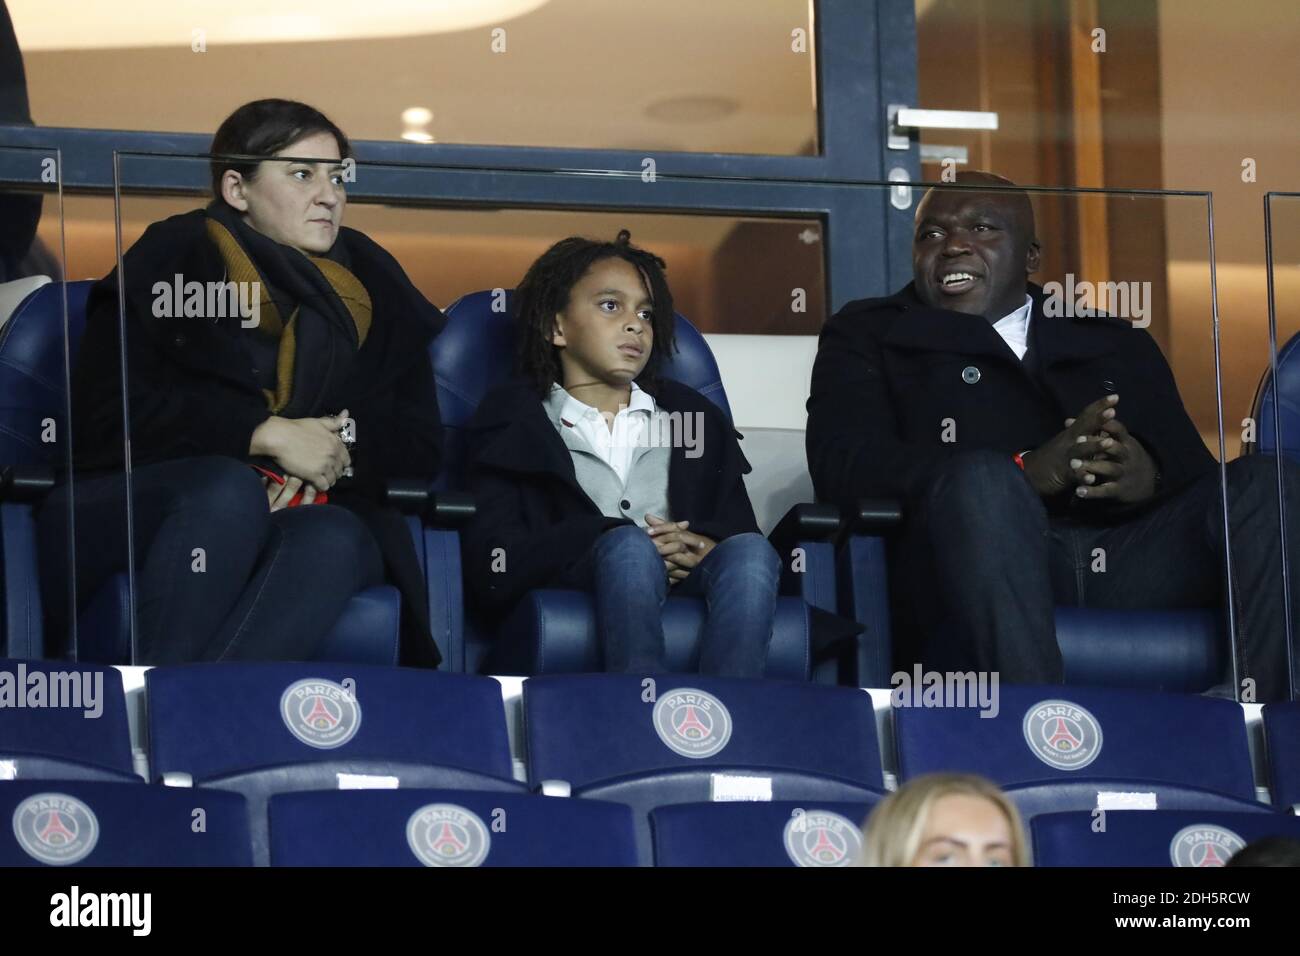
313 313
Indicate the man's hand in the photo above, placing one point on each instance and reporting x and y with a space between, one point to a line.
1048 467
309 449
1122 471
681 550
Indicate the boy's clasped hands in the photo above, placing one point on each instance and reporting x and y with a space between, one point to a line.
681 549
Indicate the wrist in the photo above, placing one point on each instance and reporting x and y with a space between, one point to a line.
1027 463
267 438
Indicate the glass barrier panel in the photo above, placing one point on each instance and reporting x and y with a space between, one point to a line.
1275 434
36 425
1118 287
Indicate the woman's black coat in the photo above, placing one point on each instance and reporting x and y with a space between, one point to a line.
193 391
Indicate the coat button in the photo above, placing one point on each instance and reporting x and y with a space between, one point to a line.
970 375
178 339
625 504
1108 386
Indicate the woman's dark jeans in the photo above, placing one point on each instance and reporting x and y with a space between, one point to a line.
263 586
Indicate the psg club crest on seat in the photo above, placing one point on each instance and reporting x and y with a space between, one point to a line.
1204 844
822 838
320 713
692 723
1062 735
444 834
55 828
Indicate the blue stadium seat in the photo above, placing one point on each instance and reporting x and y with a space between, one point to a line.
262 729
553 631
1276 412
1056 748
76 823
447 828
439 551
67 742
1282 743
781 833
1151 837
32 381
1175 649
608 737
1286 416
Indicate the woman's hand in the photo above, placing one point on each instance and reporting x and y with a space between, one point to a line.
308 449
279 496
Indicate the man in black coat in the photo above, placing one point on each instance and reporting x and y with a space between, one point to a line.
1041 458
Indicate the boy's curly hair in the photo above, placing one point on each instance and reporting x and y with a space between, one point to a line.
544 291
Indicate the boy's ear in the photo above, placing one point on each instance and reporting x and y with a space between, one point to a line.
557 333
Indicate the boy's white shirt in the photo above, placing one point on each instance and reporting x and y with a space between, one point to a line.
615 447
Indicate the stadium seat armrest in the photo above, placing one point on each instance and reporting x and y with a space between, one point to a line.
445 509
450 509
409 495
806 521
25 482
876 515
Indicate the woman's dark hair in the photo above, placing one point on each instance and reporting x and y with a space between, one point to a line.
261 129
544 291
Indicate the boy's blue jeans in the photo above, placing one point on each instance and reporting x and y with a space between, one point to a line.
737 579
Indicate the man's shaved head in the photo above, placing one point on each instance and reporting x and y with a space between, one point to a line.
974 249
1008 192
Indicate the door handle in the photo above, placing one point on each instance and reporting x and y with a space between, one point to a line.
903 118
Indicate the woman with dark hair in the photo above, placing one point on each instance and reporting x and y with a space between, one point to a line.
592 472
265 419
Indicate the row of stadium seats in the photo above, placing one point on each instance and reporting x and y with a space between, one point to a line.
552 631
264 730
114 824
843 555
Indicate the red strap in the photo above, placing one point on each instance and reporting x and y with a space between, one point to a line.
321 497
268 473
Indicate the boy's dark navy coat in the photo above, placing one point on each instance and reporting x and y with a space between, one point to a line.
530 505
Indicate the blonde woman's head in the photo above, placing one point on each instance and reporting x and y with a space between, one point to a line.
945 819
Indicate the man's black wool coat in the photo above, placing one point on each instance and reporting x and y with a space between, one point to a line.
894 377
